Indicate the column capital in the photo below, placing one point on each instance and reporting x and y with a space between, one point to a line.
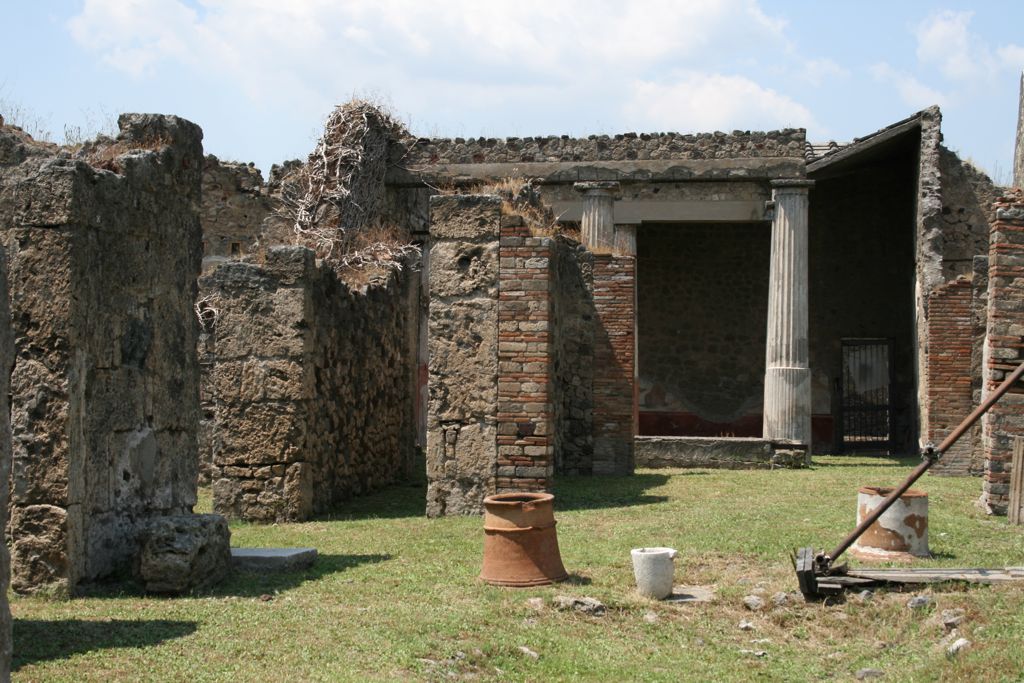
792 184
599 188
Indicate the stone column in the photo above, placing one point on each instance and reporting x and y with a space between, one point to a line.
787 379
625 240
598 224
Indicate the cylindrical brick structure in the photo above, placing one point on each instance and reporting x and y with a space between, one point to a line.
900 533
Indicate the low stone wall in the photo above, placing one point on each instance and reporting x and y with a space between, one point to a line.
6 361
1005 348
103 249
311 384
715 453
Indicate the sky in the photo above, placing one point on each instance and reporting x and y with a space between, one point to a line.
260 76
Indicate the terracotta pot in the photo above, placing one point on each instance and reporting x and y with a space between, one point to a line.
520 544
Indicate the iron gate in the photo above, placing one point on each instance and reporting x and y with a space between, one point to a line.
865 416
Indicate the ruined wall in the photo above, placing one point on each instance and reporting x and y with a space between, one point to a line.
951 393
234 206
311 385
702 312
967 198
462 418
573 318
103 250
627 146
1005 348
6 361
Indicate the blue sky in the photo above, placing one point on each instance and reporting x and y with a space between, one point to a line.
260 75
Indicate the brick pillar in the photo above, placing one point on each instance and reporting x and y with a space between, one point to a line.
1004 347
950 395
614 363
525 409
787 380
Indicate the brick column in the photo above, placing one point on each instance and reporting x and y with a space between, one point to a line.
950 395
787 382
525 447
1004 341
614 363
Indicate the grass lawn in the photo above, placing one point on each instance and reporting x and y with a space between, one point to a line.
394 595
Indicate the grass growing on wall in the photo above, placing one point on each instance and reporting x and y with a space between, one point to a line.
394 596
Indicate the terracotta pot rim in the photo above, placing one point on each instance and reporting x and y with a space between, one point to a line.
884 491
517 499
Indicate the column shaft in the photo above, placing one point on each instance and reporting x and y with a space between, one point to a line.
787 382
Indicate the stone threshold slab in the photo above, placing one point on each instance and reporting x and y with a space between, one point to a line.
272 559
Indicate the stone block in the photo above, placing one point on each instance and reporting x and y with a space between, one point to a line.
184 553
272 559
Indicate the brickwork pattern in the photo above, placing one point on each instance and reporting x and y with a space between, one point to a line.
525 410
1005 347
614 359
950 391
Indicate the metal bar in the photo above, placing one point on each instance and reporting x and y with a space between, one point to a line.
923 467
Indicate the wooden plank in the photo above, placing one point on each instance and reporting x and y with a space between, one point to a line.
1015 513
939 575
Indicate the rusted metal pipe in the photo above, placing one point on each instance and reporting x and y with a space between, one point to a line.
930 457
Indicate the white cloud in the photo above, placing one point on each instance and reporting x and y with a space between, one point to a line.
701 102
912 91
818 71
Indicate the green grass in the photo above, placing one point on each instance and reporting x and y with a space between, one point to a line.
394 596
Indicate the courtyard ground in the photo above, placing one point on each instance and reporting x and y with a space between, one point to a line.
394 595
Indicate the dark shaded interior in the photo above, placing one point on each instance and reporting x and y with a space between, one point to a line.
702 302
861 252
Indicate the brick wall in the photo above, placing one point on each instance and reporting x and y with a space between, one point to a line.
1005 347
614 362
950 392
525 420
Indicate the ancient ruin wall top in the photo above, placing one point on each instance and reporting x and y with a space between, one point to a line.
788 143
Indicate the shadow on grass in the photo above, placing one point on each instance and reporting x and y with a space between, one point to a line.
238 584
394 502
256 584
592 493
40 640
831 461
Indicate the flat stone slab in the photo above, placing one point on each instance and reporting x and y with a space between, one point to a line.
688 594
272 559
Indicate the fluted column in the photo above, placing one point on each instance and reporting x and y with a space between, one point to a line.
787 379
598 224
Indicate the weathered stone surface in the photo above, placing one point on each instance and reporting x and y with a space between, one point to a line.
731 453
272 559
103 248
179 554
6 361
311 384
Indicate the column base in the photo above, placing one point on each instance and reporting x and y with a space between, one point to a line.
787 404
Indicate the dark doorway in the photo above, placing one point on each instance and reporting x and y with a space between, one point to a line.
865 416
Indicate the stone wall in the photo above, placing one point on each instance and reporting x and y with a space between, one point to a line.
951 394
6 361
103 249
1005 348
312 386
462 417
573 372
614 382
702 311
234 206
628 146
